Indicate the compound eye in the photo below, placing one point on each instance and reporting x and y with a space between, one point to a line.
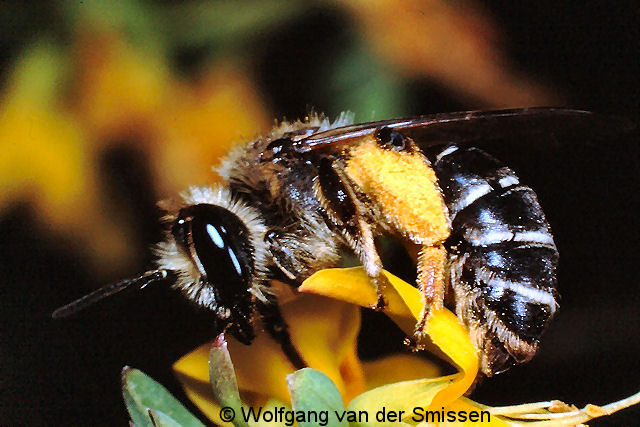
389 138
218 242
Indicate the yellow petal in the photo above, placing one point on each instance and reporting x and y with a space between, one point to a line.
452 338
396 368
193 373
398 397
404 302
352 285
325 331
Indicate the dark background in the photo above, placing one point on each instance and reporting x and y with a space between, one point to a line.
67 372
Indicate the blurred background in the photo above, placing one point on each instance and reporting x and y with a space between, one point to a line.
107 107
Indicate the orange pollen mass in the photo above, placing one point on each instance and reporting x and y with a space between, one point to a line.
406 189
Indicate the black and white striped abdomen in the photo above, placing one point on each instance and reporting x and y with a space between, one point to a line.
502 250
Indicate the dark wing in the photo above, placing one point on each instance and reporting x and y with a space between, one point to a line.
469 126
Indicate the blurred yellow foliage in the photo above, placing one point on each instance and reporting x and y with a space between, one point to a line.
118 89
207 117
183 127
45 155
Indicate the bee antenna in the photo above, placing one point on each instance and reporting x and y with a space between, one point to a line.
80 304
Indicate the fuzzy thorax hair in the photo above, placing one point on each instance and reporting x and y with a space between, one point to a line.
170 257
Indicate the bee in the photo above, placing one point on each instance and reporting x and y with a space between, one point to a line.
294 199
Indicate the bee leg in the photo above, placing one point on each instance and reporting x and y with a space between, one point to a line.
366 250
335 191
277 327
431 281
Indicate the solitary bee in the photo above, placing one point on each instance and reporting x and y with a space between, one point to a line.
294 199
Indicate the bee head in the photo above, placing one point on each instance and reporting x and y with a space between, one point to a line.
216 247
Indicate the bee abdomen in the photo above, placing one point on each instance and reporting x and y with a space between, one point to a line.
467 174
503 255
510 257
515 283
487 205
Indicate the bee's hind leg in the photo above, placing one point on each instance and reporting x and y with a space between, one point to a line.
431 282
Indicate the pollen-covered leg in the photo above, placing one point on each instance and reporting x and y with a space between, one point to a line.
431 267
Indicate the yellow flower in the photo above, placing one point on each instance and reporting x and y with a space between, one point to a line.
324 322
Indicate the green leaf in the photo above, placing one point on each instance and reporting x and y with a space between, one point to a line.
160 419
311 390
360 82
401 396
223 378
142 393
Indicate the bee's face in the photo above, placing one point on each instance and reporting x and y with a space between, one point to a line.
217 242
214 247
